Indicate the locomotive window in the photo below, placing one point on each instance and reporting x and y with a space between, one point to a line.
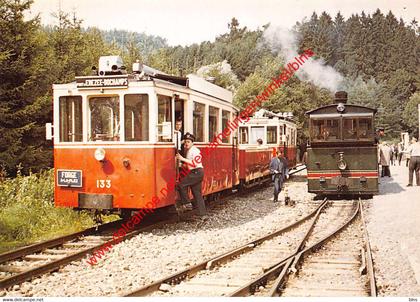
164 117
198 121
225 119
104 118
325 130
256 133
243 132
71 126
136 113
213 122
365 129
272 135
349 128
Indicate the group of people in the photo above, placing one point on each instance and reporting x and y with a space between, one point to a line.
389 154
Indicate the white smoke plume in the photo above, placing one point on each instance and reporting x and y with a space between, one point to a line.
285 42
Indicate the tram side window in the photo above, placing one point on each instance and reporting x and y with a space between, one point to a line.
243 135
365 130
325 130
256 133
164 118
225 119
198 121
104 118
272 135
213 122
71 122
136 113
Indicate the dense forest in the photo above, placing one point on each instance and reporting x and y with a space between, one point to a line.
377 56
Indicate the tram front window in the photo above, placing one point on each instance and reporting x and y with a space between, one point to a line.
136 113
243 135
71 119
272 135
256 134
325 130
104 116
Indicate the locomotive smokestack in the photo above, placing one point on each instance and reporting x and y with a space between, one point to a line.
340 97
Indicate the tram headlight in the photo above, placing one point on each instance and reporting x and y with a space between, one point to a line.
100 154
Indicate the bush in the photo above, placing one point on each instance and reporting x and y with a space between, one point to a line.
27 211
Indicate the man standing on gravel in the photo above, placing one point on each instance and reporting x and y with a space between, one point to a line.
193 179
414 167
279 172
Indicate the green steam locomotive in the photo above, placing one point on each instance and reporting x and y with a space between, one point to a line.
342 154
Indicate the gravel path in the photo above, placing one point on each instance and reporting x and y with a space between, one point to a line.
394 231
150 256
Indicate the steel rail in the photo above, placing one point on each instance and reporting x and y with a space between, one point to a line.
280 267
38 247
215 261
369 260
55 265
279 271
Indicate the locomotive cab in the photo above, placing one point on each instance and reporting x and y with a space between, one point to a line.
342 154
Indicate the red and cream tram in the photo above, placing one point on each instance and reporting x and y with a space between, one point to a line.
275 131
114 147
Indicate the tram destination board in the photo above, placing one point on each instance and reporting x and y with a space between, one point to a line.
98 82
69 178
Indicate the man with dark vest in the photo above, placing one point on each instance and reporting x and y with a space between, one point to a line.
195 175
279 172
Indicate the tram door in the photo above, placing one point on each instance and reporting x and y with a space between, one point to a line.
179 116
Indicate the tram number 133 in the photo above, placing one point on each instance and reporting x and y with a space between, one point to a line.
103 183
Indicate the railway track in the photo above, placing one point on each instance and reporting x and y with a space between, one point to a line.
31 261
35 260
262 267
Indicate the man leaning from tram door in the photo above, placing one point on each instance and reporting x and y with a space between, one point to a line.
195 176
279 172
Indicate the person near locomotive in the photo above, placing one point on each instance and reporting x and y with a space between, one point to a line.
194 178
414 151
279 172
379 134
385 157
400 149
391 158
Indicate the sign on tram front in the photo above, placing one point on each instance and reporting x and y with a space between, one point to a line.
99 82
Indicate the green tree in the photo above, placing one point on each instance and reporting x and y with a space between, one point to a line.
24 79
411 113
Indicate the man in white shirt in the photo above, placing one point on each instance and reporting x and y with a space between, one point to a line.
414 167
193 179
178 134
